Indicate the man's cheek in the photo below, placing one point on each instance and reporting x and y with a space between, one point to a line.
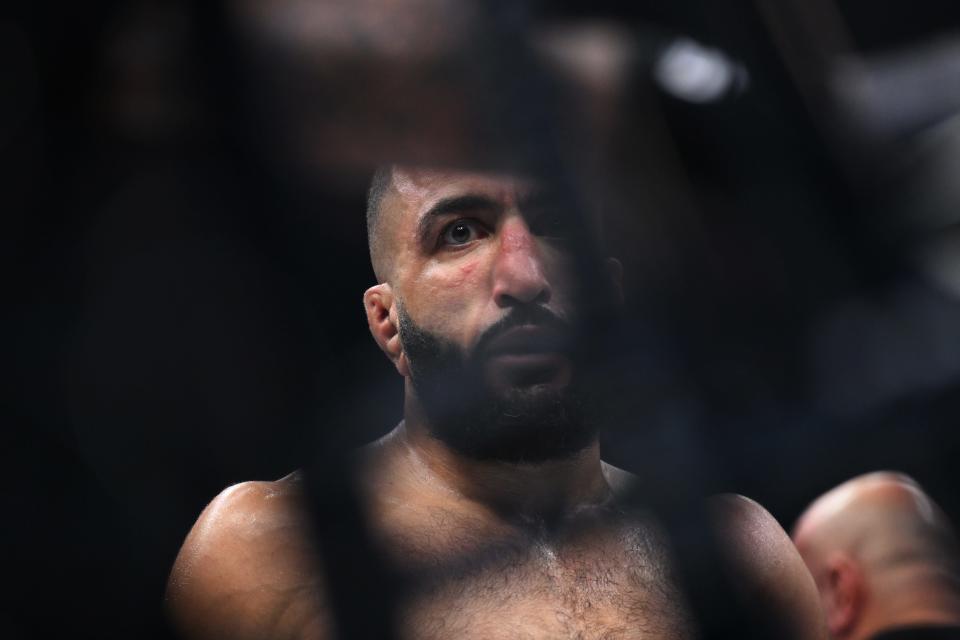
466 272
454 272
451 313
445 320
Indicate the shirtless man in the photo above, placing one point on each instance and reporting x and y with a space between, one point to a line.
490 493
885 559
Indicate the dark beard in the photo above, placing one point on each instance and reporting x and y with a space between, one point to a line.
524 424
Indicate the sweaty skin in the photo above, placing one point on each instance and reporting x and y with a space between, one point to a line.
493 549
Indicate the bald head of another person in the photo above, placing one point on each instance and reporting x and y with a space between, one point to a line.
883 556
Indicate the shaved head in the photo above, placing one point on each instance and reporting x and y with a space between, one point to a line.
872 515
380 184
882 554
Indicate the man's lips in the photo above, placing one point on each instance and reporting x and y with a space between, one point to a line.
528 340
529 354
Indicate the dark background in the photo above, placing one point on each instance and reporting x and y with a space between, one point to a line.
185 298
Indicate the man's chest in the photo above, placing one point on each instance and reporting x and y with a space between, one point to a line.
608 580
613 584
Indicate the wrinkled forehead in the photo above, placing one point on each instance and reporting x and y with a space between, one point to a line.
417 190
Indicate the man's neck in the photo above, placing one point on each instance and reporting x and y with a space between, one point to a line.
545 491
917 606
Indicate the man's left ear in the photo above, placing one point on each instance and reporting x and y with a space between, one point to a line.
615 273
844 601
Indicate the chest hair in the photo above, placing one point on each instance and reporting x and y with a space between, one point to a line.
607 579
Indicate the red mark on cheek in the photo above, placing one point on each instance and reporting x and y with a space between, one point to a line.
451 276
464 274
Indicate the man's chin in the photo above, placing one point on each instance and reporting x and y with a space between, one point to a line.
532 423
513 399
534 403
535 372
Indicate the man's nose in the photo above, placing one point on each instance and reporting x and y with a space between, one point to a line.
518 270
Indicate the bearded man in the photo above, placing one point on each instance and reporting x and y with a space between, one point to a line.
490 494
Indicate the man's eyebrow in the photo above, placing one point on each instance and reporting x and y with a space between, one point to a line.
454 204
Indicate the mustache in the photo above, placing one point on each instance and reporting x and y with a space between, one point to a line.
521 316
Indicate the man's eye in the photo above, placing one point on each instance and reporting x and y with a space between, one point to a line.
460 232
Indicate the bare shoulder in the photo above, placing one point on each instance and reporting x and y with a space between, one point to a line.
247 568
765 565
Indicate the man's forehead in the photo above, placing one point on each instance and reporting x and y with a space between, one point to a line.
420 188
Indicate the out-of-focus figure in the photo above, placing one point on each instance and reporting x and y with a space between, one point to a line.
885 560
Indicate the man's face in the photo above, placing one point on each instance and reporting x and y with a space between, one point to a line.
485 291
